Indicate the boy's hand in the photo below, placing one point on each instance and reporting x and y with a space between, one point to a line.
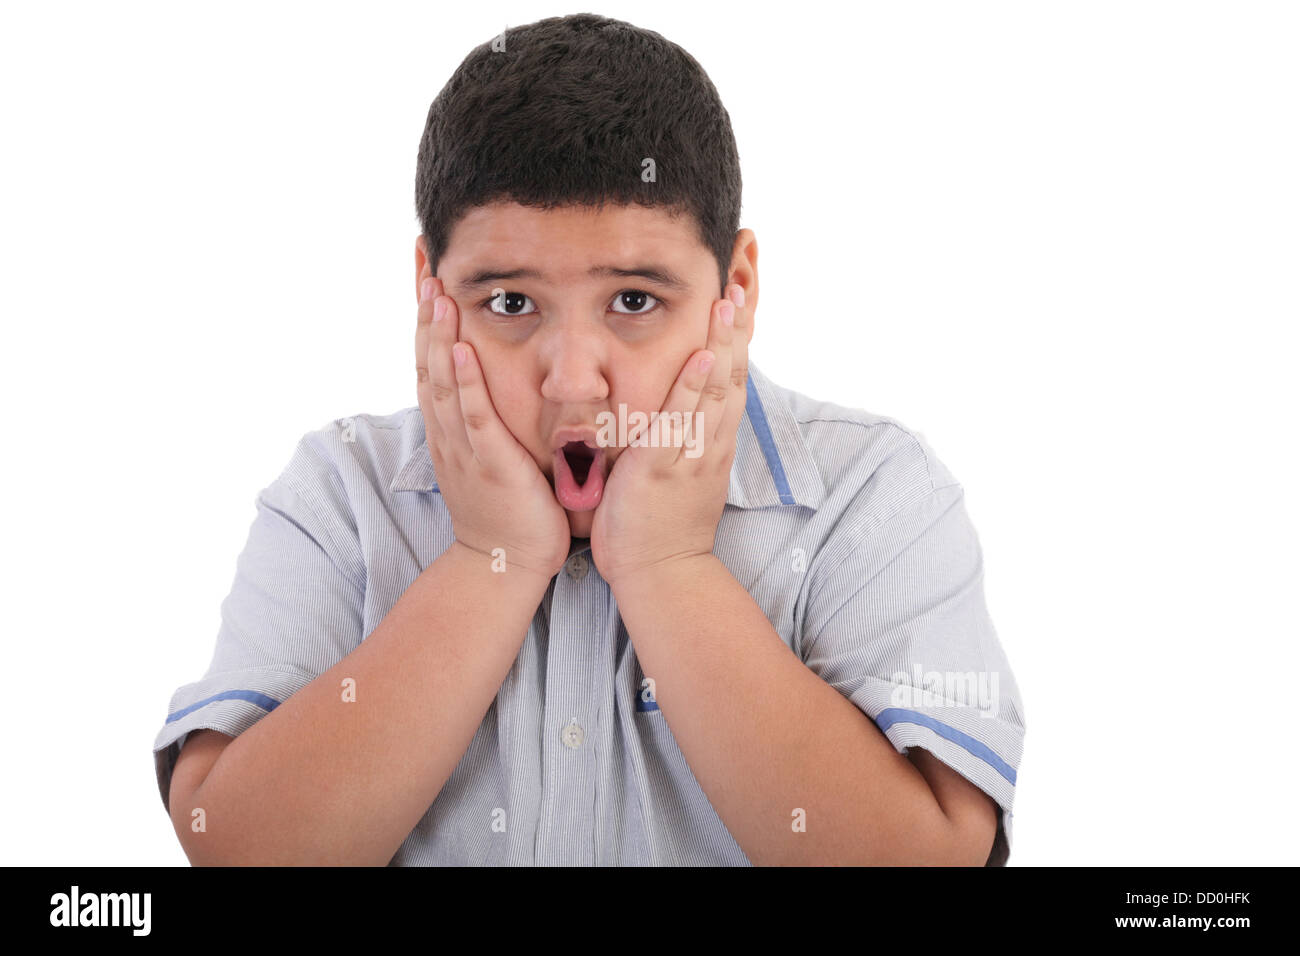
661 504
496 494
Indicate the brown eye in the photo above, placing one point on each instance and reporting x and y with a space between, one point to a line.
635 301
511 303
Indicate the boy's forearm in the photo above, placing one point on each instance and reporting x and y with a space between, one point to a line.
320 780
764 736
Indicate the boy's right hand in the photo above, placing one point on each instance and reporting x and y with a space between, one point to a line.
496 494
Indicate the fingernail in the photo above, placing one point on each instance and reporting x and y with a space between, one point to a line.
738 296
728 313
706 363
458 354
426 289
439 309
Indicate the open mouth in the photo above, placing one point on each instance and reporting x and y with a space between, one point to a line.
580 458
579 475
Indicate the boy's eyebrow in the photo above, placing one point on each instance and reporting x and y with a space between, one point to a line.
658 274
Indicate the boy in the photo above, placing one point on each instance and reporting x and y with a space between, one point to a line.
526 622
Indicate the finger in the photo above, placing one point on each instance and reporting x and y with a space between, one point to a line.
742 331
429 290
444 392
491 441
716 393
675 424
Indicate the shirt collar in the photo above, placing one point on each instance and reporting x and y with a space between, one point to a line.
773 464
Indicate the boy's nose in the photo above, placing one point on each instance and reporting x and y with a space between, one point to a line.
574 380
574 371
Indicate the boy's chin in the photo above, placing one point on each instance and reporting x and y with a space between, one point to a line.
580 523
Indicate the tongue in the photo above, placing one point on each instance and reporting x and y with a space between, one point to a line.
577 493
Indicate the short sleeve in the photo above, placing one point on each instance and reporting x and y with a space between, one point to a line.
896 621
293 612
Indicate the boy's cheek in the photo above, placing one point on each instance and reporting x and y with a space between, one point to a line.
646 380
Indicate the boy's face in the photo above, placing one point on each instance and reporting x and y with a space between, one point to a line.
569 338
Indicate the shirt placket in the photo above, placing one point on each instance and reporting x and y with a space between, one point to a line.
566 835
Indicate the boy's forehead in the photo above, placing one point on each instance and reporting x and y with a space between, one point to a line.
569 241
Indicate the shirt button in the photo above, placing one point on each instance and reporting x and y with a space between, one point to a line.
576 567
572 735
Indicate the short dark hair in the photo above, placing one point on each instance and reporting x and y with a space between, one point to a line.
565 115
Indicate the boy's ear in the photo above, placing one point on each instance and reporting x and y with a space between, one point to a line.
422 269
744 273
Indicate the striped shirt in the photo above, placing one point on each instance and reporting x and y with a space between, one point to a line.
843 526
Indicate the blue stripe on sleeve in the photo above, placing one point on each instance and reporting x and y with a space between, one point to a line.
897 715
261 700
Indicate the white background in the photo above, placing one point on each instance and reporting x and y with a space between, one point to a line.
1059 239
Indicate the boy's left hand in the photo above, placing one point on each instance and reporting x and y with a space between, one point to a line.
661 505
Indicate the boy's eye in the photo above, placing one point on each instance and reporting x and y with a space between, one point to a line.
512 303
636 300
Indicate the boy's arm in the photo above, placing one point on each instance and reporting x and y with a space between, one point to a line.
323 781
766 737
972 811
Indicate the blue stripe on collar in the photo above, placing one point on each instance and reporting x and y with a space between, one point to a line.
758 418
